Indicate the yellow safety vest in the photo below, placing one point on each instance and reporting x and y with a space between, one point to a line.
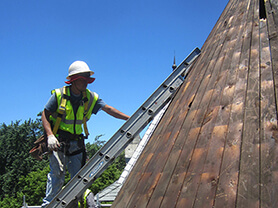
71 122
83 204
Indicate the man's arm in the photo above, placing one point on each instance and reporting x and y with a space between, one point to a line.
52 141
114 112
46 123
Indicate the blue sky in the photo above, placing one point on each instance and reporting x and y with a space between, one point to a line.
130 45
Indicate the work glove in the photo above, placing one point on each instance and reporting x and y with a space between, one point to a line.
52 142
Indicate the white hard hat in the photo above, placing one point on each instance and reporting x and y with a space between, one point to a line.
78 67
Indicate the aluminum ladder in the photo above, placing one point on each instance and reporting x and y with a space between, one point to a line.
74 189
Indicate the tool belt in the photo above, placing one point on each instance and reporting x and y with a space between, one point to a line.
40 149
64 140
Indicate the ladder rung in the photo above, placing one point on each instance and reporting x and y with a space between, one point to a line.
118 142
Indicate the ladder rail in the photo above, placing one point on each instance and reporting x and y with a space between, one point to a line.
119 141
150 104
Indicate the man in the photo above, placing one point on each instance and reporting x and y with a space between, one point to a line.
73 105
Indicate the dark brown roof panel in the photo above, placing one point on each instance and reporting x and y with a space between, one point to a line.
216 145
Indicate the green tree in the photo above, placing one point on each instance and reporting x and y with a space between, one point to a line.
15 142
9 202
33 185
110 175
92 149
21 175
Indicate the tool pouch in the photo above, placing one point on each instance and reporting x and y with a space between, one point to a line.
40 148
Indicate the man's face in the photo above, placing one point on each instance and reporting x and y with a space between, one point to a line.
80 84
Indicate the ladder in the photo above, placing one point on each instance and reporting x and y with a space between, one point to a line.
74 189
115 187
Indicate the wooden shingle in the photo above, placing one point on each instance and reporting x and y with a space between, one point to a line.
217 144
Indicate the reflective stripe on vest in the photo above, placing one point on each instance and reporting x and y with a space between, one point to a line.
70 122
86 193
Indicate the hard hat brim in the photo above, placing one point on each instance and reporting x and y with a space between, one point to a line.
76 77
70 75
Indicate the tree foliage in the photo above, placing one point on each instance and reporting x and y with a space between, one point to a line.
110 175
21 175
15 142
92 149
33 185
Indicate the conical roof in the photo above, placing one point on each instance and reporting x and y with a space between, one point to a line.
216 145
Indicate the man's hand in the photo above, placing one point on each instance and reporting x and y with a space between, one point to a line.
53 143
